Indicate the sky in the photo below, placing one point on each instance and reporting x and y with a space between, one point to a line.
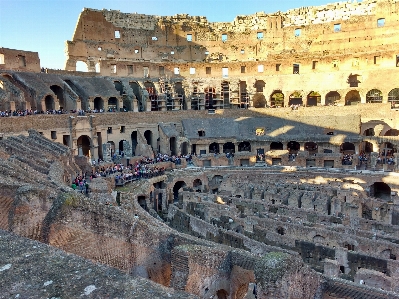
44 26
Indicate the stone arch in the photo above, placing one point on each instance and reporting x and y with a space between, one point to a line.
311 147
277 99
244 146
59 92
197 185
332 98
214 148
222 294
318 240
352 98
367 147
259 85
392 132
184 148
276 145
121 148
98 103
176 188
293 146
381 190
374 96
369 132
113 104
295 98
347 147
313 99
81 66
148 137
84 145
141 199
393 98
228 147
49 103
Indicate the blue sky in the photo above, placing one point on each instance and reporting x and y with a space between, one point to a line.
44 25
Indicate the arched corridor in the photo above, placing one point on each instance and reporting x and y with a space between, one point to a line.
84 145
49 103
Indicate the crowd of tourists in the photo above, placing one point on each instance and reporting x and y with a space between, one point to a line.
80 184
347 159
26 112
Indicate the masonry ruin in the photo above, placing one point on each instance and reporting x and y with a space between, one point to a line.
287 130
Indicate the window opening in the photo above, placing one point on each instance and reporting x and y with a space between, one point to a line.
189 37
201 133
146 72
154 38
376 59
224 37
259 35
113 68
225 72
208 70
161 70
242 51
295 68
130 69
381 22
172 52
260 68
136 51
192 70
117 34
122 129
1 58
297 32
243 69
21 61
99 49
314 65
176 71
278 65
337 27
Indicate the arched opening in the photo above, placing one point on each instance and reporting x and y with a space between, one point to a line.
381 190
98 104
197 185
98 67
393 98
392 132
281 230
374 96
134 142
228 147
258 100
276 146
260 85
388 149
295 99
113 104
184 148
293 147
49 103
367 147
142 202
352 98
210 97
176 189
81 66
369 132
172 145
119 87
311 147
314 99
244 146
84 145
277 99
214 148
60 96
112 147
222 294
148 137
121 149
137 93
318 240
347 148
332 98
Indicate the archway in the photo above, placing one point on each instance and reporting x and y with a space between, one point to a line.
332 98
277 99
81 66
176 189
214 148
228 147
148 137
374 96
276 146
60 96
84 144
98 103
295 99
311 147
314 99
369 132
197 185
112 147
184 148
172 145
113 104
134 142
352 98
121 149
222 294
367 147
393 98
244 146
259 100
347 148
293 146
49 103
392 132
380 190
259 85
142 202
